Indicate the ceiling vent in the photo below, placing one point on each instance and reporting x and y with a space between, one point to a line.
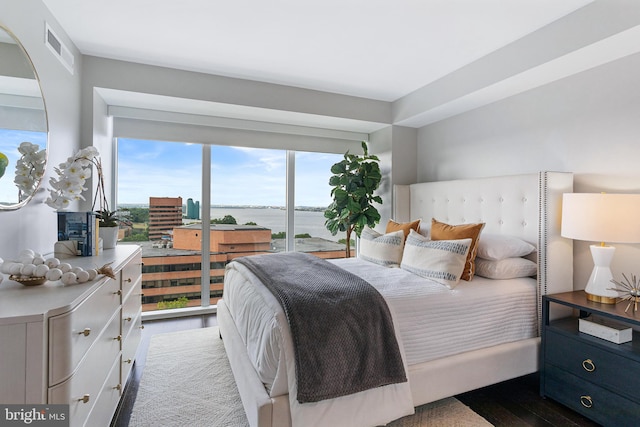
59 50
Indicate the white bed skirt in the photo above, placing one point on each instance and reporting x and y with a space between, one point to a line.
429 381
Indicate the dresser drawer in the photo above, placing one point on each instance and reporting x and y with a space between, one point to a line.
131 274
130 346
72 334
592 363
131 307
589 399
82 389
107 400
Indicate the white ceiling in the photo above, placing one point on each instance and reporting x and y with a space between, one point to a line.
378 49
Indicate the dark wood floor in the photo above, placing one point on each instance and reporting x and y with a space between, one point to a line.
518 403
514 403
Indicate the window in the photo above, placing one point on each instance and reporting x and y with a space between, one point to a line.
162 184
312 196
156 181
248 187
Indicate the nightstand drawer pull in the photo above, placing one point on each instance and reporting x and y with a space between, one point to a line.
588 365
586 401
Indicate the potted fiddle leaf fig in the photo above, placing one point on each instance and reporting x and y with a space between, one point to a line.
354 182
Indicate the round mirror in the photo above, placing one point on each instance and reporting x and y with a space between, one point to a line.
23 125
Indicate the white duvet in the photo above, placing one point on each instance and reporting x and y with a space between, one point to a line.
431 322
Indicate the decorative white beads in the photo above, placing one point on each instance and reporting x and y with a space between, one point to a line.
32 264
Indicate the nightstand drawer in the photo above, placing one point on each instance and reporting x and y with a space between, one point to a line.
592 363
589 399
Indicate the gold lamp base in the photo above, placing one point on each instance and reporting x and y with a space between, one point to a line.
600 299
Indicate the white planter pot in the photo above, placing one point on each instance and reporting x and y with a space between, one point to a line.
109 237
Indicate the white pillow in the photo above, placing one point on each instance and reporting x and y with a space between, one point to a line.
425 231
439 260
508 268
499 246
383 249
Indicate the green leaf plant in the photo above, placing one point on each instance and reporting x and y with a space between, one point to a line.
354 182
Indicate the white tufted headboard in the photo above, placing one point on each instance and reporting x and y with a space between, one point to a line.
526 206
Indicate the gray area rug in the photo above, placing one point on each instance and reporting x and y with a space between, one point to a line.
187 381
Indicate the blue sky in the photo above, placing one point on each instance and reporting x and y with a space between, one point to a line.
9 142
240 176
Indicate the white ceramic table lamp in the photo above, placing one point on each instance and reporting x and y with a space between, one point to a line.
601 217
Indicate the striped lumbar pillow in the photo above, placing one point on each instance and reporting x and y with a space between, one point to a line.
442 261
383 249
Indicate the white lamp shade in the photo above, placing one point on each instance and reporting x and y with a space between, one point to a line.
600 217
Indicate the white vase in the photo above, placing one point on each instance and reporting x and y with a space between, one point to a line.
109 237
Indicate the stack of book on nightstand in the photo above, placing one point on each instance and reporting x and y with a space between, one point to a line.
607 329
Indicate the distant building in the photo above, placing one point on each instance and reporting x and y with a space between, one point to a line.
193 209
172 271
224 238
165 213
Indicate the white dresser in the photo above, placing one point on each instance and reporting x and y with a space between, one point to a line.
73 344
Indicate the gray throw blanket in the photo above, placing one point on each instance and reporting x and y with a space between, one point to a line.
342 330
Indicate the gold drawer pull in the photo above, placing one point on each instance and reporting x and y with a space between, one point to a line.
118 387
141 326
128 361
128 319
118 292
85 332
128 280
586 401
84 399
118 338
588 365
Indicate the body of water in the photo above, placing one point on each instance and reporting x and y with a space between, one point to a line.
274 219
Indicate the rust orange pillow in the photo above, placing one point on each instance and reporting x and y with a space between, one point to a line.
443 231
404 226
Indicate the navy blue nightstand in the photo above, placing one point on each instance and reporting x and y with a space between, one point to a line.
592 376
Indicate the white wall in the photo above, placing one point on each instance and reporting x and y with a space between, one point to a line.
588 124
395 146
112 75
34 226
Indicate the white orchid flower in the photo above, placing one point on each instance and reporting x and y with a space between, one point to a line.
72 175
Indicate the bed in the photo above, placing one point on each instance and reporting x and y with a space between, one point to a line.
461 357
